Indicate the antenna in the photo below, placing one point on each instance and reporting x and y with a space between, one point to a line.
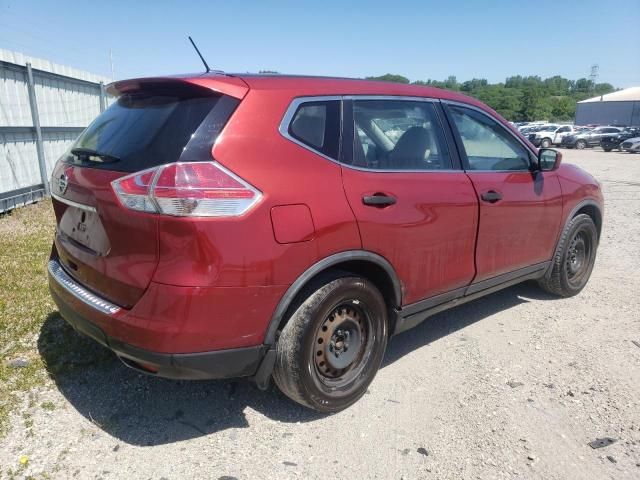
200 55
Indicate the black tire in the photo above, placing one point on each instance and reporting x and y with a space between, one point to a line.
546 143
573 261
607 149
338 313
581 144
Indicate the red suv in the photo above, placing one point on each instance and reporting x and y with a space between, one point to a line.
214 226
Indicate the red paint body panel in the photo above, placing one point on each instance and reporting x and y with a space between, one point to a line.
428 235
203 284
521 229
242 251
577 186
169 319
292 223
232 86
123 275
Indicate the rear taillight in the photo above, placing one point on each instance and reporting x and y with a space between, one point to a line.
195 189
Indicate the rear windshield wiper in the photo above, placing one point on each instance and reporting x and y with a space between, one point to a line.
86 153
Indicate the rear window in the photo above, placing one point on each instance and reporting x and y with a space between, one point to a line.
143 130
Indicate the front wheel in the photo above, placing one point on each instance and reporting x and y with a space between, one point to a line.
574 259
332 346
546 143
581 144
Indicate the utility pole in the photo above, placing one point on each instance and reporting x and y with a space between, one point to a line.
595 68
113 75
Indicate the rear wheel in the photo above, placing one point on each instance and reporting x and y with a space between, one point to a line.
546 143
581 144
574 260
332 346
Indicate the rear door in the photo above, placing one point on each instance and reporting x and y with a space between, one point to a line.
110 249
520 210
413 204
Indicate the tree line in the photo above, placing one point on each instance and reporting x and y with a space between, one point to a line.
521 98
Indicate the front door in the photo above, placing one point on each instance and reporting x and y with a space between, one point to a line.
520 210
561 132
413 204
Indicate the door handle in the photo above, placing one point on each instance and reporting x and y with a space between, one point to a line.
491 196
379 200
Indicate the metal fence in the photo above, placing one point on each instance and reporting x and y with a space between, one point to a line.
43 108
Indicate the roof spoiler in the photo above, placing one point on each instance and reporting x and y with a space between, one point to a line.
224 84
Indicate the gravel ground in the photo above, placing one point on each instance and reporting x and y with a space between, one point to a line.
513 385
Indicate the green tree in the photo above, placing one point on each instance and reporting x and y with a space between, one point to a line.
390 77
521 97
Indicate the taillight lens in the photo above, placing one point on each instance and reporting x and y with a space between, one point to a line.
134 190
196 189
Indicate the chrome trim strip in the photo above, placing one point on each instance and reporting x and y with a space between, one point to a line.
402 98
375 170
70 285
71 203
296 102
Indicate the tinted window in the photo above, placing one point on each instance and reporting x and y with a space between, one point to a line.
317 124
487 144
564 129
398 135
144 130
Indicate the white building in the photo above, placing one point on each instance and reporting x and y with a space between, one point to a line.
618 108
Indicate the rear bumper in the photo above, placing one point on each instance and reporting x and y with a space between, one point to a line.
108 324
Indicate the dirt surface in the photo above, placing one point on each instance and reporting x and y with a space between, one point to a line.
513 385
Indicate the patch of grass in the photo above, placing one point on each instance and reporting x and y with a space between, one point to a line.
31 328
25 244
48 406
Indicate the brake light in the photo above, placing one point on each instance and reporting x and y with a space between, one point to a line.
134 190
196 189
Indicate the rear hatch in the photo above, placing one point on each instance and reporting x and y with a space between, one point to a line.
108 248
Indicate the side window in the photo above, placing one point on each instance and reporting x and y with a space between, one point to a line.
564 129
317 125
398 135
488 146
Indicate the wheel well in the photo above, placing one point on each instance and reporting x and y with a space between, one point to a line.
362 268
595 215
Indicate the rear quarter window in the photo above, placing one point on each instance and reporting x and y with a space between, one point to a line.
317 126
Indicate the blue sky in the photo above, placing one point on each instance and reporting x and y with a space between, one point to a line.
418 39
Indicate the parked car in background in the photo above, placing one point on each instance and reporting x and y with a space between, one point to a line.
614 141
192 251
631 145
526 131
589 138
530 125
549 135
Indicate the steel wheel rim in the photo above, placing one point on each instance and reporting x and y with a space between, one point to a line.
342 344
578 258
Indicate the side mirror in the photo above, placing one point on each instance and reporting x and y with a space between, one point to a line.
549 159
